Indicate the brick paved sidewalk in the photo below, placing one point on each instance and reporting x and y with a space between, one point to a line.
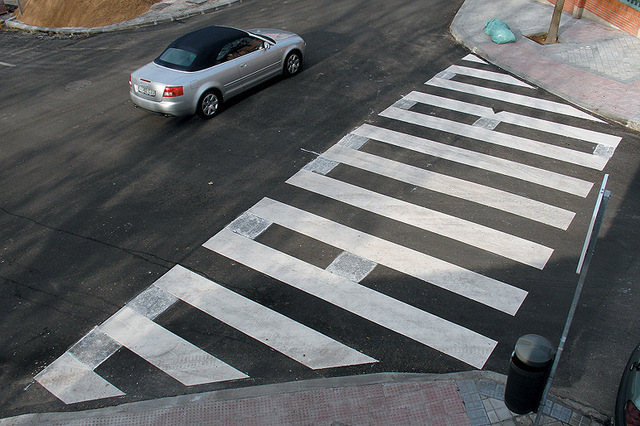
473 398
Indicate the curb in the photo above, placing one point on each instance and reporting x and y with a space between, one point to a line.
460 39
481 392
153 17
460 31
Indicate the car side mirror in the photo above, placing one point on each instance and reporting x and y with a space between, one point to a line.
266 45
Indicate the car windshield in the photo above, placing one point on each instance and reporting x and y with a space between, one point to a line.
179 57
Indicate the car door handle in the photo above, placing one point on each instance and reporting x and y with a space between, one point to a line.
243 65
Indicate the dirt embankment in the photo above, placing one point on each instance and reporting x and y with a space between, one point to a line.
81 13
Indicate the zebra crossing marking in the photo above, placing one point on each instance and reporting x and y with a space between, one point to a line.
470 191
516 119
295 340
71 381
512 98
473 234
502 166
473 58
466 283
487 75
428 329
497 138
170 353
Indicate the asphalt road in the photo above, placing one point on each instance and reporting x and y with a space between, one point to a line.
99 200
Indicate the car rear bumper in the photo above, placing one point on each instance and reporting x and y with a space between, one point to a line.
176 107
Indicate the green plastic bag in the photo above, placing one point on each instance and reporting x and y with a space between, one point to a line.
499 32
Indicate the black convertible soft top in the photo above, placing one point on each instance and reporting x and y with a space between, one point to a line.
205 43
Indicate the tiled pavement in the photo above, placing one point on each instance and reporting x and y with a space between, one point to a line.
474 399
484 402
605 57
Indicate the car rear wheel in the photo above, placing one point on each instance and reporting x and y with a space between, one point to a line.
292 64
209 104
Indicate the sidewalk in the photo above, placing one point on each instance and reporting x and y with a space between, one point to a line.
593 67
471 398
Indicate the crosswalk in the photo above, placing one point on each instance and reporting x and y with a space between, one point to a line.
452 106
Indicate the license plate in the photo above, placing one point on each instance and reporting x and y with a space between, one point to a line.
146 90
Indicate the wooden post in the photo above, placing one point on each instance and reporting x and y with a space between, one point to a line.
552 35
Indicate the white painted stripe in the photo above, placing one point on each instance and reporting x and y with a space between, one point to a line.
503 139
470 191
473 234
559 129
6 64
474 286
513 98
473 58
297 341
170 353
72 381
524 172
517 119
428 329
487 75
450 104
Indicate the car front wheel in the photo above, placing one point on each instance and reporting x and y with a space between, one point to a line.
209 104
292 64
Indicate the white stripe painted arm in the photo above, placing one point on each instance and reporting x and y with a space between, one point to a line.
72 381
471 191
516 119
297 341
170 353
524 172
512 98
473 58
503 139
560 129
473 234
487 75
474 286
450 104
435 332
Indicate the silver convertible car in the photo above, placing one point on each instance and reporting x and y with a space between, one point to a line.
200 70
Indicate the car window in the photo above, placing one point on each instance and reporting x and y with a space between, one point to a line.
178 57
239 47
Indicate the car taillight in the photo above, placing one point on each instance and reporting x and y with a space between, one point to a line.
129 80
631 414
172 91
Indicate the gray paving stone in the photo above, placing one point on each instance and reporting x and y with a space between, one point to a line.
353 141
467 386
321 166
93 349
249 225
351 267
152 302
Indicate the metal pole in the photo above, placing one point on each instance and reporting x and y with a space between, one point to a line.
591 239
587 240
19 7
